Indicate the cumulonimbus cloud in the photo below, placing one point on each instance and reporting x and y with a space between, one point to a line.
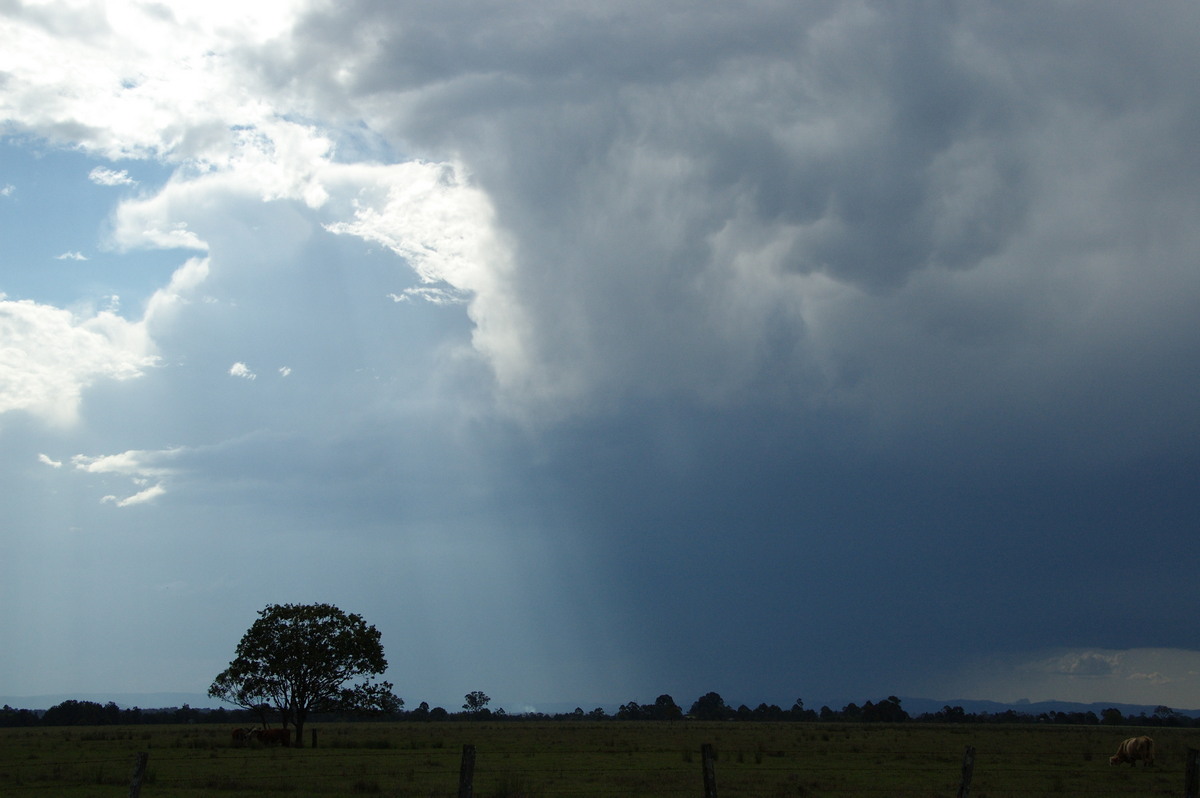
764 221
744 193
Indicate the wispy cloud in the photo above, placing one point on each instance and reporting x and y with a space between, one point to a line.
141 466
433 295
240 369
7 190
43 458
285 371
150 493
136 463
102 176
73 255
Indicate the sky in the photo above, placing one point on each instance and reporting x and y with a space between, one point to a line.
597 351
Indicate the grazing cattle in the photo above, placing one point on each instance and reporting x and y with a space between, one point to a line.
1132 750
241 736
274 736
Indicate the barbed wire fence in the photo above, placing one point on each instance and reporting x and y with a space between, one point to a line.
791 772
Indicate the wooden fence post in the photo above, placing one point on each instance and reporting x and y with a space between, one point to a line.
1191 778
968 770
139 771
466 772
710 771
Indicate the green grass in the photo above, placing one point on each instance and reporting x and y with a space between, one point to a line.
546 760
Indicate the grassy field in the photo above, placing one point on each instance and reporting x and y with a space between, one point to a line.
593 759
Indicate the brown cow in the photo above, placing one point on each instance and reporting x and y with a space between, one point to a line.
274 736
1132 750
241 736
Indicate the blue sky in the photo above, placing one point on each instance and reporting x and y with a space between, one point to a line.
832 350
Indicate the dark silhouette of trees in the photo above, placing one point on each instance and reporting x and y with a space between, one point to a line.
771 712
663 708
82 713
630 711
886 711
476 703
799 713
1165 716
948 714
711 706
10 717
302 658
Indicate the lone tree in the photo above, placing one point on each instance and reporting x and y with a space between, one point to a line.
477 702
300 658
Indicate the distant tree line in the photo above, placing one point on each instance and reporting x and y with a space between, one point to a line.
1162 716
90 713
710 706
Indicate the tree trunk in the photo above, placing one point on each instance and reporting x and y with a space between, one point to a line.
300 718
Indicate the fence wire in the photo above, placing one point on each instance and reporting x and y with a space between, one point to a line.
823 768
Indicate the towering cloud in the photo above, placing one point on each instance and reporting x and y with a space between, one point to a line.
605 324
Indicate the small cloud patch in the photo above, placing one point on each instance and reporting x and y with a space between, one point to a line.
152 492
44 458
71 256
110 177
433 295
240 369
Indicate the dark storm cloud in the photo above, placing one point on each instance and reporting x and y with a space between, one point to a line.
777 559
833 113
867 330
636 157
881 150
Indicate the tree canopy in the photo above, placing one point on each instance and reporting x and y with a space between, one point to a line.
476 702
300 658
711 706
